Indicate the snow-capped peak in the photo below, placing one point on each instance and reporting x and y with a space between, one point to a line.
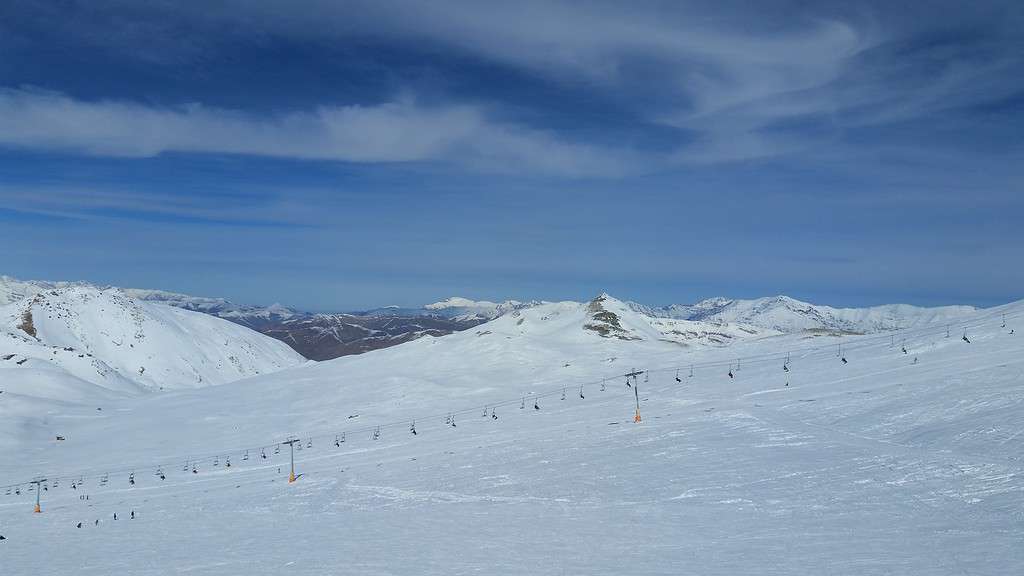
460 302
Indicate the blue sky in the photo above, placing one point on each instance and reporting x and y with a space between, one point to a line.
343 155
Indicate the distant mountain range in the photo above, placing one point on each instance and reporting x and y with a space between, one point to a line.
788 315
323 336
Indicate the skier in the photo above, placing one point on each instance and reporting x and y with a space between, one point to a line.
965 339
133 515
115 515
79 525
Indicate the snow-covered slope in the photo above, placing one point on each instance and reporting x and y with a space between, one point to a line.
110 340
889 463
788 315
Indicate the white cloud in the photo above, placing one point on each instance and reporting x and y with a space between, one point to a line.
398 131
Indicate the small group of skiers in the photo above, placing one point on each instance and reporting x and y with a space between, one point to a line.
97 521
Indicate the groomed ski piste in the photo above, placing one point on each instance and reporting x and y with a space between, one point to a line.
894 453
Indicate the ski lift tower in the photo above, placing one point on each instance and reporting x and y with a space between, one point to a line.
291 444
39 487
636 393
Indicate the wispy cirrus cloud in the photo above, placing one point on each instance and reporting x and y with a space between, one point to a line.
734 82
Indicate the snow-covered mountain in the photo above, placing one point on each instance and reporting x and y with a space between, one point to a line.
78 337
459 308
245 314
789 315
13 289
612 318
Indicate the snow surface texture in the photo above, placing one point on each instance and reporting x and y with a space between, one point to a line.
890 463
